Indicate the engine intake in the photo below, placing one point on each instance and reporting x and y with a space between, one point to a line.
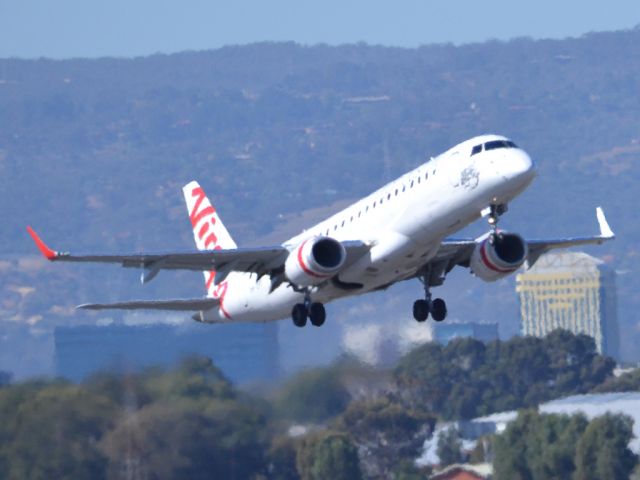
498 255
314 261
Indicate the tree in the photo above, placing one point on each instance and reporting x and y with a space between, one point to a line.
449 448
385 432
538 447
328 455
180 440
467 378
281 459
603 451
313 395
627 382
54 432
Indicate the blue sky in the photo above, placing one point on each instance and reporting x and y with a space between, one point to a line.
93 28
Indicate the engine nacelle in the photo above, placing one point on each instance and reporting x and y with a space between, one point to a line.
498 255
314 261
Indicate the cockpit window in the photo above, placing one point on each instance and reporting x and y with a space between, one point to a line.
495 144
476 149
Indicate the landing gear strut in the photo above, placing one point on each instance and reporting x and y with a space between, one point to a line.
314 311
423 307
495 211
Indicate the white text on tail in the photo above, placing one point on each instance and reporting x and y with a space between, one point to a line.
208 230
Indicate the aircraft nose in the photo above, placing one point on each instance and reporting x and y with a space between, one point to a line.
520 166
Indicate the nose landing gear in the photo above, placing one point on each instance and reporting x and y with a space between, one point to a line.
493 212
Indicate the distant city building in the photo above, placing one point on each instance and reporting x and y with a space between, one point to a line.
573 291
445 332
244 352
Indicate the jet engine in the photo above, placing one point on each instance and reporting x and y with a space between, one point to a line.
314 261
498 255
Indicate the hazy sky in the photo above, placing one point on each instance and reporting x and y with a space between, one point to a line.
91 28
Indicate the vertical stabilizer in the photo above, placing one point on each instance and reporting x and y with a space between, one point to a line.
208 230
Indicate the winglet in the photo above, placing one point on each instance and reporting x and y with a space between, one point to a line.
605 229
46 251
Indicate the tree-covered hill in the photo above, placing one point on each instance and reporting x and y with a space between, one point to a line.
93 152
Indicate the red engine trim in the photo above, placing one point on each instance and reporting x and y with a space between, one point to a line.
304 267
489 264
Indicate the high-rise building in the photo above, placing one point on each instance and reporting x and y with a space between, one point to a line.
573 291
245 352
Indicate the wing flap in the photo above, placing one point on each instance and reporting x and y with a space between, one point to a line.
181 305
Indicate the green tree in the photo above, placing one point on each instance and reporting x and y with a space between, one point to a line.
54 431
281 459
313 395
449 447
627 382
385 432
180 440
328 455
538 447
603 451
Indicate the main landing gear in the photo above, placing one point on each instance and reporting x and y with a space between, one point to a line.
314 311
436 307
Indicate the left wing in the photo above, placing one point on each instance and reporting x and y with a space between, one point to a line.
458 252
538 247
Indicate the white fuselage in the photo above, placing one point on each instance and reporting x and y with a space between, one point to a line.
403 222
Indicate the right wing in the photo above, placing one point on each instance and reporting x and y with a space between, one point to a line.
259 260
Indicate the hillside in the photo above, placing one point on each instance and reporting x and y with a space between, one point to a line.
93 152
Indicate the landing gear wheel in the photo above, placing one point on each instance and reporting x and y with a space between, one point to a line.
420 310
299 315
317 314
438 310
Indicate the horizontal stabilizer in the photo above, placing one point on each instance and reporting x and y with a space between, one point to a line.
186 305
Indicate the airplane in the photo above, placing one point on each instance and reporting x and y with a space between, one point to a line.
399 232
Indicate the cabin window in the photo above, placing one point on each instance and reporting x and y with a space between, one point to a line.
389 197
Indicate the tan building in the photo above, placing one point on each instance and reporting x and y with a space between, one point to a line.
573 291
